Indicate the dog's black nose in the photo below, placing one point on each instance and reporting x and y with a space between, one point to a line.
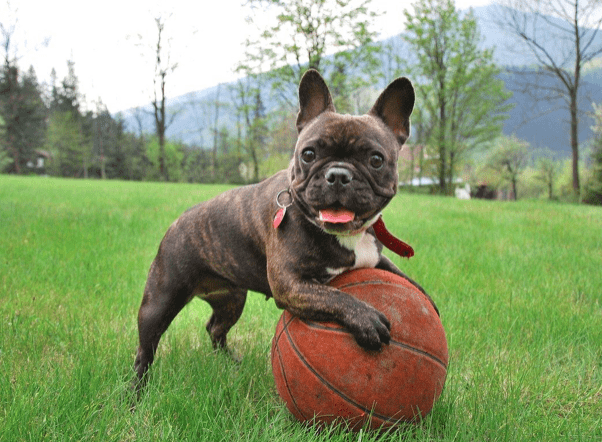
339 175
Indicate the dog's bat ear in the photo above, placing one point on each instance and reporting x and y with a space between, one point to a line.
314 98
394 107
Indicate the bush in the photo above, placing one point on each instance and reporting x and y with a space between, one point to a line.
592 192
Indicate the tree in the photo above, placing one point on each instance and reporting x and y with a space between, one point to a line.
22 110
393 61
548 170
464 101
65 142
216 106
561 48
162 68
280 142
69 131
115 154
304 32
593 186
509 158
247 96
173 157
23 114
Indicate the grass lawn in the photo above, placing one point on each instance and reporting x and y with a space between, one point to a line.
519 286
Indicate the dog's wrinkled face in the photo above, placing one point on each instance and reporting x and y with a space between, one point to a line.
344 171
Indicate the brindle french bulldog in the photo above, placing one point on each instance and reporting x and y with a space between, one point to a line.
289 235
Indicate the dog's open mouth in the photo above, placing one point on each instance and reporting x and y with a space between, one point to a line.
340 221
336 216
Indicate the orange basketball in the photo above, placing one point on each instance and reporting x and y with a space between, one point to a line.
321 373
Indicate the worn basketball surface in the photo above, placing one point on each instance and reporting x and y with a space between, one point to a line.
321 373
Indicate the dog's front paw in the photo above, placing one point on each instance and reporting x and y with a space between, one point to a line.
369 327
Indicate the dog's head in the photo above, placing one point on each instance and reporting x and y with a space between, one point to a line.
344 171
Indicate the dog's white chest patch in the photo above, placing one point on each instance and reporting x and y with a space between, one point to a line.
364 247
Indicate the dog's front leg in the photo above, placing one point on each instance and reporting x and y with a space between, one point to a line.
314 301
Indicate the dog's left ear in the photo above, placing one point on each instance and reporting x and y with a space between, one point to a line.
394 107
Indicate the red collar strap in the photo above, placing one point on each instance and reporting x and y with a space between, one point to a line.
390 242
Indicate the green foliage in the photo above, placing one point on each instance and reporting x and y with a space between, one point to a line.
457 84
22 117
5 160
300 36
252 127
505 163
173 159
517 286
593 188
65 141
275 163
548 170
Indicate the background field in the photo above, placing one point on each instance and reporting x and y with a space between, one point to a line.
519 286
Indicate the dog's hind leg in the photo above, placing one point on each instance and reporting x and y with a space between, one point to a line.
162 301
227 308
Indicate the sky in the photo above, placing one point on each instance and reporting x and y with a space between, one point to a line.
110 42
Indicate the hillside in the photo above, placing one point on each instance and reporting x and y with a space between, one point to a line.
543 124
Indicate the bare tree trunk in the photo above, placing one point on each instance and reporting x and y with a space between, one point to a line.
514 191
159 104
215 133
160 126
575 142
442 150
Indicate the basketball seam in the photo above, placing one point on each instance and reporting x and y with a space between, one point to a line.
332 388
277 337
399 344
284 328
362 283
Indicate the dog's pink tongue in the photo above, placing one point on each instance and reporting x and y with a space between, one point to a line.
336 216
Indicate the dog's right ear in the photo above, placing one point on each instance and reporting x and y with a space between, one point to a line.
314 98
394 107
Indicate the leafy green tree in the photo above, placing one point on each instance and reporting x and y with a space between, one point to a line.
22 116
280 142
593 188
65 141
509 158
115 153
351 73
173 158
5 160
301 35
69 133
196 164
457 84
548 170
252 121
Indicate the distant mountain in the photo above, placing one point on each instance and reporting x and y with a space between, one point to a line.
542 124
545 123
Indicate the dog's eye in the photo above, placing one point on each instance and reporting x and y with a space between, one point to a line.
308 155
377 161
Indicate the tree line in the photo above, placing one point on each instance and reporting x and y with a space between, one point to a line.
463 101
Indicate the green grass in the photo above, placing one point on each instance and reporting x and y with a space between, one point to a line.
519 286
